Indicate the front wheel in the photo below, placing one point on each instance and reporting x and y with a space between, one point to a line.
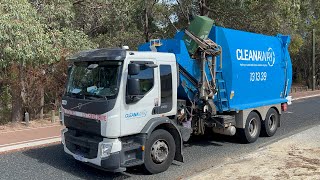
252 129
270 125
159 151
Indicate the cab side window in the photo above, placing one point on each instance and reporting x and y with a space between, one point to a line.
166 89
166 83
146 77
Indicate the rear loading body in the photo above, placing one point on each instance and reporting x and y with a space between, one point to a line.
127 108
253 69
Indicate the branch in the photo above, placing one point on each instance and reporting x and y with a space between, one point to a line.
183 12
207 8
79 2
204 9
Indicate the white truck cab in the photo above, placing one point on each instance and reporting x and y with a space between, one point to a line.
119 109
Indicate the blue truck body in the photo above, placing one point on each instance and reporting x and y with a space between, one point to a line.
256 69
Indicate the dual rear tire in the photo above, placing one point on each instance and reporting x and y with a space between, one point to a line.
270 125
254 126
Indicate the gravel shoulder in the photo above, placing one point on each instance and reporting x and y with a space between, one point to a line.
19 126
295 157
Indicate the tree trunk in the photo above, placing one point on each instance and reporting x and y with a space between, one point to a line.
17 107
57 101
146 27
41 101
204 10
18 94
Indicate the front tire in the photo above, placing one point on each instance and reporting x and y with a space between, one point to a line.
270 125
159 151
252 128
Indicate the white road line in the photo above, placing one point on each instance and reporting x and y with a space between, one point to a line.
25 144
27 129
305 97
33 140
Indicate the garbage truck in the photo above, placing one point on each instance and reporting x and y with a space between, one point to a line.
125 108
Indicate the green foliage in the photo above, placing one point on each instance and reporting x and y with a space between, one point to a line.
22 37
68 41
296 44
54 13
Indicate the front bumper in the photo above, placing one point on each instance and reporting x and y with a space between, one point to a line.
109 163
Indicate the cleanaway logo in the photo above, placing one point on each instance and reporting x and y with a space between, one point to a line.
136 114
266 57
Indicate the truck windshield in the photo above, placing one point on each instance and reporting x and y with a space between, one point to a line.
94 80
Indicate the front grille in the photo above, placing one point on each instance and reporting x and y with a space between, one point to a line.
79 142
82 124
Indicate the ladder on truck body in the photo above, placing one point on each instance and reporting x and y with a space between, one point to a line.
222 92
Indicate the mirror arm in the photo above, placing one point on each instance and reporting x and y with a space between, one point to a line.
151 65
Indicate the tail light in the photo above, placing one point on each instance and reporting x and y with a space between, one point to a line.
284 107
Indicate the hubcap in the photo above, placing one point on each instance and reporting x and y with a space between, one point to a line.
272 122
159 151
253 129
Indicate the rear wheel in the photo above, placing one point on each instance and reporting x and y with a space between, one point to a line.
252 128
159 151
270 125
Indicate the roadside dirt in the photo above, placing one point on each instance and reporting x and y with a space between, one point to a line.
296 157
33 124
304 94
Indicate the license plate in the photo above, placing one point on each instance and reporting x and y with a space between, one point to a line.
80 158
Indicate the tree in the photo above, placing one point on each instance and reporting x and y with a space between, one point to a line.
59 16
23 42
28 42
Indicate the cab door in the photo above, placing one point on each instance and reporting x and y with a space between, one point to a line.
137 111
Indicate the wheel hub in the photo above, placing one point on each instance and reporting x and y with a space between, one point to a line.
253 127
159 151
272 122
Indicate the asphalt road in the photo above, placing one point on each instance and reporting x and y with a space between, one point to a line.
200 153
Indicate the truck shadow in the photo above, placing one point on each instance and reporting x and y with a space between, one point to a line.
211 139
55 157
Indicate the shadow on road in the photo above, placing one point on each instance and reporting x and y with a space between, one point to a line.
54 156
211 139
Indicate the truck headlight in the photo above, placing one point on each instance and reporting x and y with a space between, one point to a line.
105 149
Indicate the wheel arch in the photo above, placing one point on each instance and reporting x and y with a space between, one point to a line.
259 114
166 124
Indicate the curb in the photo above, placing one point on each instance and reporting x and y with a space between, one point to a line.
305 97
30 143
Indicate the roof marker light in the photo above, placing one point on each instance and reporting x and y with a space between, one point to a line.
125 47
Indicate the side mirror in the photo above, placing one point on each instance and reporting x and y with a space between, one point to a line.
133 69
134 87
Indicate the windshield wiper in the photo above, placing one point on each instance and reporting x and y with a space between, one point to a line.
76 95
95 96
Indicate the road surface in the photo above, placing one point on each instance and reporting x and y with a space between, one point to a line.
50 162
